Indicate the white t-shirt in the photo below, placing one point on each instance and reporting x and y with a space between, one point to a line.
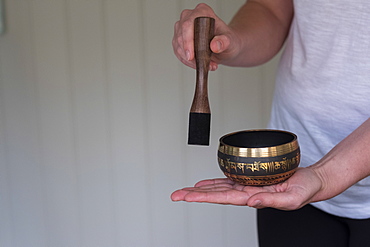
323 87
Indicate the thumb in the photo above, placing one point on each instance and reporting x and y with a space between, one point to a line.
278 200
219 43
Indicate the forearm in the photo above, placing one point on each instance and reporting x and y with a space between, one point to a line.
346 164
261 28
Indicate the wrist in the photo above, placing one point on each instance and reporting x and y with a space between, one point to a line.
322 176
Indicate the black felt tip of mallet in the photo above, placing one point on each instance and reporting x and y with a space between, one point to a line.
199 128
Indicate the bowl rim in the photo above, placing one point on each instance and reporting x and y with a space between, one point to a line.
271 151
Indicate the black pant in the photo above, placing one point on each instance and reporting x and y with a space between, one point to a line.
310 227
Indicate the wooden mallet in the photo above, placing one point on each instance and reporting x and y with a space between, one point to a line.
200 112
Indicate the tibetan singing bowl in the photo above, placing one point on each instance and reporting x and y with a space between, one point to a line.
259 157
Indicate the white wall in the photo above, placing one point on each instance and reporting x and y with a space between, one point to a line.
93 127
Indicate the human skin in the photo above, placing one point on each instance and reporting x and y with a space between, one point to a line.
255 34
347 163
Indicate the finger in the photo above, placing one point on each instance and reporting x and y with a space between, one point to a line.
213 66
279 200
185 13
178 48
202 189
214 181
184 30
220 184
220 43
210 188
187 36
190 64
184 33
232 197
179 195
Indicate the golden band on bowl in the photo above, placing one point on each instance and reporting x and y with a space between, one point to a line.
259 157
259 152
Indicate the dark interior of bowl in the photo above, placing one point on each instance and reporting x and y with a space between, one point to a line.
258 139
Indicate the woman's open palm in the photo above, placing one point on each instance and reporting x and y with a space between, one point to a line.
294 193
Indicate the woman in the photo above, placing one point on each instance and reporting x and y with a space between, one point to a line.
321 94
